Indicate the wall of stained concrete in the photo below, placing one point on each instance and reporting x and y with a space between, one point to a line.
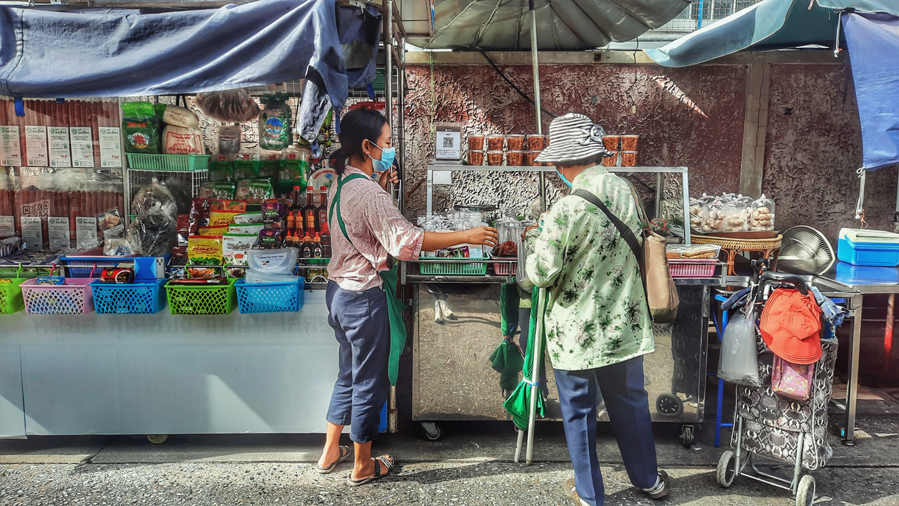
692 117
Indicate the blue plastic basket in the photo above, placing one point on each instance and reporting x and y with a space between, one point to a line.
140 297
269 297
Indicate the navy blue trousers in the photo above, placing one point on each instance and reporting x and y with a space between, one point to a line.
361 325
628 406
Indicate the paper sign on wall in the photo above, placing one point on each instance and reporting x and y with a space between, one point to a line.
10 149
82 142
449 141
36 146
7 226
32 233
60 155
110 147
86 231
59 233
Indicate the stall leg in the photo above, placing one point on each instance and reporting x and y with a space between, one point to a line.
852 387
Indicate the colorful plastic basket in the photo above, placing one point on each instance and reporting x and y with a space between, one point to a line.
74 297
452 269
140 297
167 163
11 300
201 300
269 297
703 268
505 269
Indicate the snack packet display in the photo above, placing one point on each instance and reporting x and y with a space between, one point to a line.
252 228
275 123
213 231
227 205
182 141
254 191
235 251
222 218
140 128
246 165
218 191
203 253
221 168
229 137
248 218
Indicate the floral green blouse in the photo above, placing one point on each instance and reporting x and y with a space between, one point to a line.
596 312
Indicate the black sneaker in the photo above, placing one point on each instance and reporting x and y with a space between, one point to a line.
661 488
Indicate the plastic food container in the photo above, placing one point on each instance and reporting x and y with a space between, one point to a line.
476 142
762 214
692 268
496 142
692 251
611 142
515 158
531 159
628 159
515 142
273 261
629 142
874 248
536 143
475 158
495 158
610 161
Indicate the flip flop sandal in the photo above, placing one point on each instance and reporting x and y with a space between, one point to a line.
383 459
569 491
344 454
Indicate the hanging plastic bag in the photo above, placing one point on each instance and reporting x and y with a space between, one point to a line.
521 274
231 106
739 361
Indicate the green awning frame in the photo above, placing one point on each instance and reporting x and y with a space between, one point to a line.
772 24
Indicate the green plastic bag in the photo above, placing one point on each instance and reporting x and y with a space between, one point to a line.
141 128
275 123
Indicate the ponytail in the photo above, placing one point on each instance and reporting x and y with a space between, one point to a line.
356 127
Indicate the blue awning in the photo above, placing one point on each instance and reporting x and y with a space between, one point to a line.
117 53
873 41
772 24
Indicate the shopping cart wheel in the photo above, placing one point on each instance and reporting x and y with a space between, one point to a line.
727 469
433 431
686 436
157 439
805 494
669 405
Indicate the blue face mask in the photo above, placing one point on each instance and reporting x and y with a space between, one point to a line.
385 163
565 179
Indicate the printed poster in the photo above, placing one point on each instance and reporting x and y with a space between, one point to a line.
82 142
36 146
60 154
110 147
10 148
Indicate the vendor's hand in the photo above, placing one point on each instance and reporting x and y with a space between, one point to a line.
388 177
488 236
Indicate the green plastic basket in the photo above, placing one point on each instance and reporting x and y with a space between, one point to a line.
11 300
453 269
200 300
169 163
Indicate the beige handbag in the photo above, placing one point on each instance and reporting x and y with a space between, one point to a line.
661 293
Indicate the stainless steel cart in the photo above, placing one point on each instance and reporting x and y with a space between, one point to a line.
453 379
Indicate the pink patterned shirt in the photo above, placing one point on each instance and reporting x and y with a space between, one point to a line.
376 228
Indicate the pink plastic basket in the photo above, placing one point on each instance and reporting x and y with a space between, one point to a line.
703 268
74 297
505 269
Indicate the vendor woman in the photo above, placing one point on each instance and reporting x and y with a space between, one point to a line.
357 305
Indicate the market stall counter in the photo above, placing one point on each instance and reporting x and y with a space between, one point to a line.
457 327
167 374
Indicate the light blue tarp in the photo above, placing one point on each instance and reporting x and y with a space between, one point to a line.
117 53
873 41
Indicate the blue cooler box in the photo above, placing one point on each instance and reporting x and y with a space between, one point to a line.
873 248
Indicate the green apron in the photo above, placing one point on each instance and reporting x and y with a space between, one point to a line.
395 307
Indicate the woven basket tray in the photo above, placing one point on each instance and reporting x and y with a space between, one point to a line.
739 244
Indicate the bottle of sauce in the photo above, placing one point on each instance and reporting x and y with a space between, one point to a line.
326 241
323 208
316 246
306 252
298 220
310 211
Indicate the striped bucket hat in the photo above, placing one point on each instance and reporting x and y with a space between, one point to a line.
573 137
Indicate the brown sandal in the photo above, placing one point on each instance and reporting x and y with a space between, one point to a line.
388 462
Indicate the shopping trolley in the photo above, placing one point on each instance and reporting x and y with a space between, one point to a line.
770 426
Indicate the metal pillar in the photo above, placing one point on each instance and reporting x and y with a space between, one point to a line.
536 68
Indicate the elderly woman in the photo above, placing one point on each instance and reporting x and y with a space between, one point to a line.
597 321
